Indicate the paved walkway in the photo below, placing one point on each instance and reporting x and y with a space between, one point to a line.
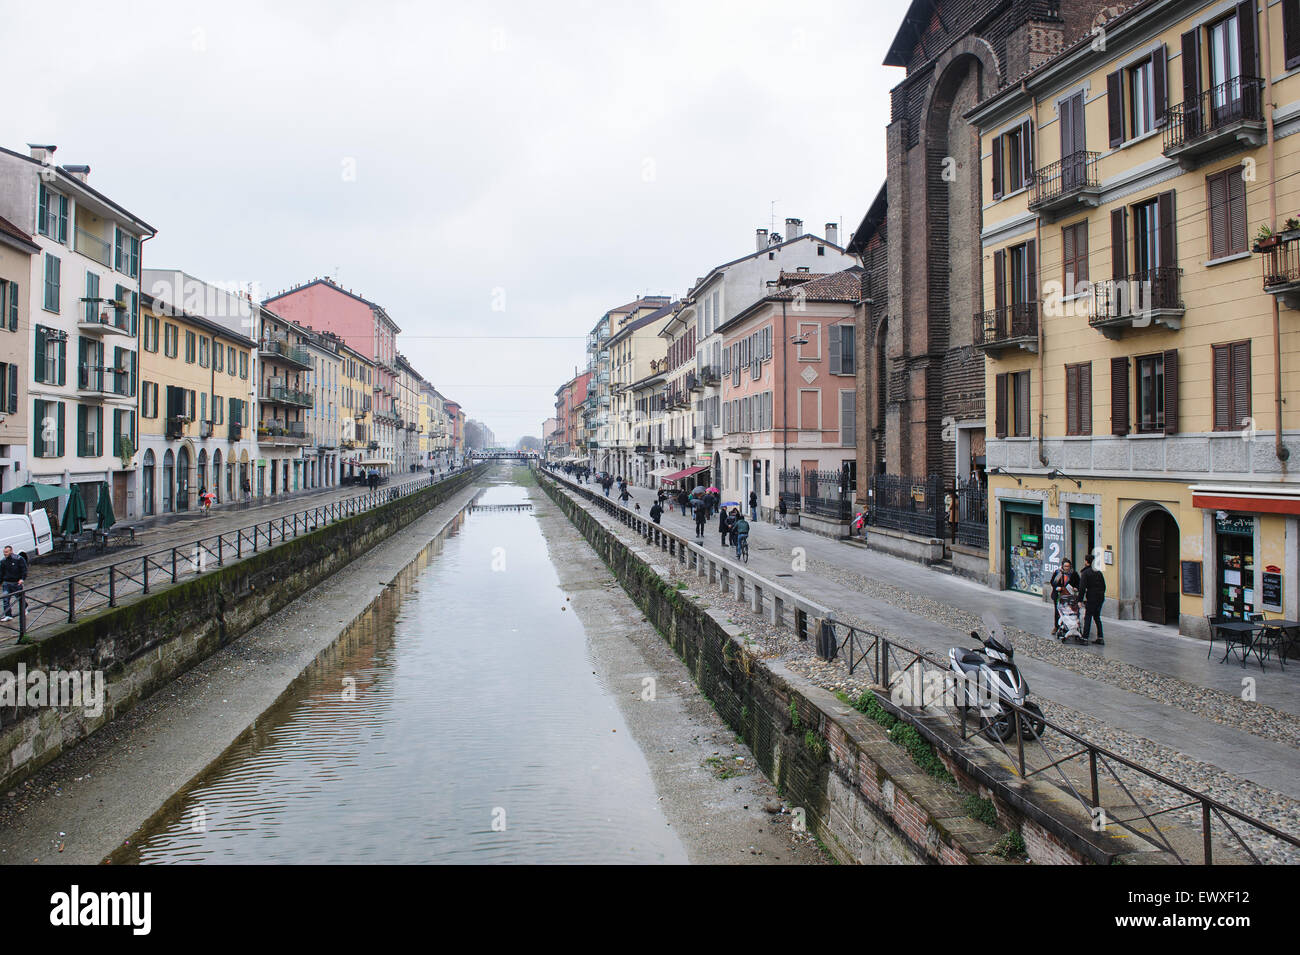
1156 650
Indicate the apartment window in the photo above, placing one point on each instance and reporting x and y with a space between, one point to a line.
1011 399
1136 99
1074 256
126 253
189 347
90 436
47 416
243 364
171 339
1150 394
1146 236
842 354
9 305
230 360
203 351
1231 385
52 214
151 333
1226 200
9 387
51 355
1078 399
148 399
52 268
123 428
1013 160
1291 33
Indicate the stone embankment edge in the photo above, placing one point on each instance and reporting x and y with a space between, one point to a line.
147 640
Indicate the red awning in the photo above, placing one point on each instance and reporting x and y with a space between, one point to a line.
686 472
1257 503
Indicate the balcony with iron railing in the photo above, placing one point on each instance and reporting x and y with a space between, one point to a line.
1223 118
275 431
1141 300
100 381
711 375
1067 185
282 395
1280 259
1011 326
235 431
279 349
104 316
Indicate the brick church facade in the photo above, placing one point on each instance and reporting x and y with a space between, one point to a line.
921 408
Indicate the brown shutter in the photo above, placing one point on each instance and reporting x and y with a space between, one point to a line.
1222 384
1236 206
1066 120
1216 189
1168 249
1191 66
1068 255
1159 68
1119 396
1115 108
997 167
1119 243
999 281
1027 152
1085 398
1021 380
1071 399
1291 32
1247 24
1000 405
1240 383
1171 391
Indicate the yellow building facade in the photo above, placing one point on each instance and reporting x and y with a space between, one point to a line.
1141 351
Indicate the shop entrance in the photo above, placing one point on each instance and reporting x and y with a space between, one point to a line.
1022 546
1158 567
1235 566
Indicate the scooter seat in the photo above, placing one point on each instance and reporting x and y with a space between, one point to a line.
971 658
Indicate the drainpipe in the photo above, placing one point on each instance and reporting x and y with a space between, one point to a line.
1279 449
1042 361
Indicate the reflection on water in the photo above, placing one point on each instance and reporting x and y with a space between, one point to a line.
457 720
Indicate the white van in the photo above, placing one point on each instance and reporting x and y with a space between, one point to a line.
27 534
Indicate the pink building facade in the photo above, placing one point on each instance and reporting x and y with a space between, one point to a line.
364 326
789 398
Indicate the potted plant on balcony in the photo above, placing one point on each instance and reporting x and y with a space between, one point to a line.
1266 239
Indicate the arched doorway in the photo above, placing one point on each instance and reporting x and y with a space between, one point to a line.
1158 583
146 483
169 482
183 479
202 473
218 479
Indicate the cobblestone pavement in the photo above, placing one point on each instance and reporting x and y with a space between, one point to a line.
1181 715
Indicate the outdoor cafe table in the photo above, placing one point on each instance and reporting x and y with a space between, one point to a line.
1288 644
1248 634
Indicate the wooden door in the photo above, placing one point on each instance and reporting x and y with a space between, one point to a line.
1151 566
119 495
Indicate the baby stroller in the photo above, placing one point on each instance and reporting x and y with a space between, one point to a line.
1067 617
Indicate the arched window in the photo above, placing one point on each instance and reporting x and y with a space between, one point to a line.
169 482
147 479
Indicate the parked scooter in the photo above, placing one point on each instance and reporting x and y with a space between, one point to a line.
988 679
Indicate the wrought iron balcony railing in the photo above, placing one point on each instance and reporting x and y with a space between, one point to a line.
1066 184
1231 112
1150 297
1011 326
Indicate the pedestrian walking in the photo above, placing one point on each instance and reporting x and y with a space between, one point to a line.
656 511
13 574
1063 578
248 490
1092 583
753 505
724 524
780 512
683 500
623 496
701 518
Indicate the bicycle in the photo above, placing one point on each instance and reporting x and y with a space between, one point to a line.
742 548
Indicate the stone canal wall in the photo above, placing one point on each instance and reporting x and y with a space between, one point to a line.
142 644
863 795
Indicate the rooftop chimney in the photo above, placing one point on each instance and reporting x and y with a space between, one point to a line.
832 233
793 229
79 172
760 240
42 153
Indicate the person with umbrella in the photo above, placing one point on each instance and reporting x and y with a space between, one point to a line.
724 524
701 516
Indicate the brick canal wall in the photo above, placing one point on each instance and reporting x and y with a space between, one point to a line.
143 643
862 795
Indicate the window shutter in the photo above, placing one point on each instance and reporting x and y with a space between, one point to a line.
834 349
42 209
999 280
1000 405
1115 108
63 218
1168 246
1071 399
1027 152
1191 66
60 429
1119 243
13 389
1067 256
1240 383
1236 218
1247 24
1022 380
1085 398
63 360
848 414
99 431
997 167
1171 391
40 354
13 306
1216 188
1291 32
1119 396
1159 66
1031 269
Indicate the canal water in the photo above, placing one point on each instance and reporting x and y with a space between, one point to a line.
457 720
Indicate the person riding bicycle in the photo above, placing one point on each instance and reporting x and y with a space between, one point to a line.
206 498
741 529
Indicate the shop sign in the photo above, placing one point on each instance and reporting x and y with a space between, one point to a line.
1234 524
1053 544
1272 588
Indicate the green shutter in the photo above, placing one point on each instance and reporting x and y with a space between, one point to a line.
13 306
13 389
59 447
63 218
63 361
81 430
99 431
40 353
42 210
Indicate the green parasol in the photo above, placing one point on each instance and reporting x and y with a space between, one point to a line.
104 508
74 515
33 494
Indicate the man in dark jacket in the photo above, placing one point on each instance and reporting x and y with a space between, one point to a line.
753 505
656 511
701 517
13 573
1065 577
1092 583
724 524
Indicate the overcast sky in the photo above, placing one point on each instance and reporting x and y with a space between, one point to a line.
497 175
